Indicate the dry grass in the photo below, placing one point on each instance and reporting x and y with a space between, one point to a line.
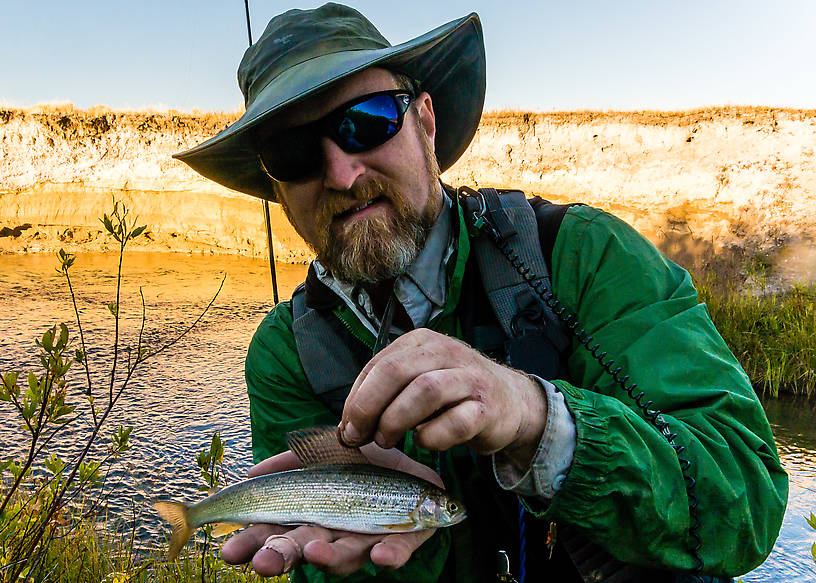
68 121
745 113
680 118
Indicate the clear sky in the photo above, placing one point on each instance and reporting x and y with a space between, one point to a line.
542 55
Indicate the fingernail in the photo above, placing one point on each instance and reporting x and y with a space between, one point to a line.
379 439
284 549
350 434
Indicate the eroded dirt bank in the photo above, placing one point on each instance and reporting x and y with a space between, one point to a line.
694 182
61 168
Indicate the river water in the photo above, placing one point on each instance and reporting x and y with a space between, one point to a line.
176 400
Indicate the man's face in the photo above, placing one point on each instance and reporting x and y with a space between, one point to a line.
366 215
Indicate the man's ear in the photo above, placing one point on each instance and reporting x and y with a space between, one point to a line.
425 114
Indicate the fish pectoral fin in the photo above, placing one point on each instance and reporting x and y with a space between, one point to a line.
224 528
401 527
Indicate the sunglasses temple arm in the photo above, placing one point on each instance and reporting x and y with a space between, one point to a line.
385 326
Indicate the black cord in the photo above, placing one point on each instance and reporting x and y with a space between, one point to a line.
654 416
267 220
249 28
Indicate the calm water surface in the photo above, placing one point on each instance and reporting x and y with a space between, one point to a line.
179 398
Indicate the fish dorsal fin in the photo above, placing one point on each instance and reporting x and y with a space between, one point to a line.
320 446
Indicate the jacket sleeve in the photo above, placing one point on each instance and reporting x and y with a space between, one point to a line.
625 489
280 399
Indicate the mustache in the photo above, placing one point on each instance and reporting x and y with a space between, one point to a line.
337 201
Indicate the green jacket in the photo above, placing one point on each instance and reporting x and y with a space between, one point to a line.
625 490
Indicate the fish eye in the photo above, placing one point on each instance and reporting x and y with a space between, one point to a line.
453 507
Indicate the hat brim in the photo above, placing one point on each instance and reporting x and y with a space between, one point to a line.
449 62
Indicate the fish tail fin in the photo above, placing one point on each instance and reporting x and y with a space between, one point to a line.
176 514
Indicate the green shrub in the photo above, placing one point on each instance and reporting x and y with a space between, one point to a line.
48 529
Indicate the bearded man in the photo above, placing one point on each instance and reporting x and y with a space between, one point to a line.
393 336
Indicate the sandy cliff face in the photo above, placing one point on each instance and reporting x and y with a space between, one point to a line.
692 181
60 169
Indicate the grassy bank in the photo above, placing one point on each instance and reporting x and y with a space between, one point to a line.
89 552
772 333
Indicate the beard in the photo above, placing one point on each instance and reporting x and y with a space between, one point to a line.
382 245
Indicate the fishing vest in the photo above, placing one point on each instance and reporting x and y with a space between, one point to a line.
518 328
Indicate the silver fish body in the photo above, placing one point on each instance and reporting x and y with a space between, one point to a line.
338 488
357 498
353 497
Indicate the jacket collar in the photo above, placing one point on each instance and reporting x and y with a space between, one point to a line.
318 295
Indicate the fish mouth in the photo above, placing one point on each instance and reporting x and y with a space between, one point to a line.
458 518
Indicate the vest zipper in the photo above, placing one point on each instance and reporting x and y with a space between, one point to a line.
354 330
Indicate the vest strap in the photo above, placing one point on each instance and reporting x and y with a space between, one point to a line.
535 337
329 364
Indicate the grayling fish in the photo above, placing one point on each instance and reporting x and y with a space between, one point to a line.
338 488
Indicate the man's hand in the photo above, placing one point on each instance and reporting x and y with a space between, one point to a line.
275 549
448 393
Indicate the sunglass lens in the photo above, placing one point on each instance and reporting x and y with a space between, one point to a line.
291 155
296 153
368 124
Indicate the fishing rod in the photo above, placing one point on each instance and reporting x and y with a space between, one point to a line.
267 220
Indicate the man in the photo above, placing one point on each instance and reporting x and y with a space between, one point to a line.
349 134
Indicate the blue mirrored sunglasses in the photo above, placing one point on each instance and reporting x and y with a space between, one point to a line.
357 126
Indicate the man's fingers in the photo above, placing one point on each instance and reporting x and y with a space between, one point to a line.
269 561
278 549
394 550
426 396
281 553
387 374
412 338
241 546
382 383
277 463
343 556
459 424
396 460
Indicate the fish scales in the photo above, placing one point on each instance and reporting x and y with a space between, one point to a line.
353 497
338 488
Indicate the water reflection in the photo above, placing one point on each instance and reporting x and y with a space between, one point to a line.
177 399
795 433
196 387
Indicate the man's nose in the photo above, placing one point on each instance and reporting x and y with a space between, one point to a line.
340 169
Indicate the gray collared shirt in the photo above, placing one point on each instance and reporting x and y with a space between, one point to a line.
422 290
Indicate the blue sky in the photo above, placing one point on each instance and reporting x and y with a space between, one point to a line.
544 55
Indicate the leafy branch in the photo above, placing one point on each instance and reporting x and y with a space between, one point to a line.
211 464
31 517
